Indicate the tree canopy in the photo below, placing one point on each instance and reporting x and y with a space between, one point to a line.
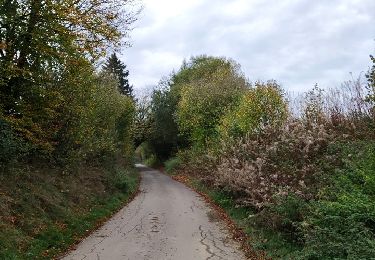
214 86
49 88
39 38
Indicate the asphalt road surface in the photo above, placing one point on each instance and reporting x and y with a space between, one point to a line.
166 220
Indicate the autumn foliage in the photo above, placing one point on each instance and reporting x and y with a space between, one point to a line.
53 102
302 166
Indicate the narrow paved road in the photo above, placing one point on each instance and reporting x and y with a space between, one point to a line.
166 220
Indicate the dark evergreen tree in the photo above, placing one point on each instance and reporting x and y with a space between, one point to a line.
117 68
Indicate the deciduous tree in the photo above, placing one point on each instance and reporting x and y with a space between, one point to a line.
216 85
37 37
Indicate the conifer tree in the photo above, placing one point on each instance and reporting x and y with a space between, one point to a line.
118 69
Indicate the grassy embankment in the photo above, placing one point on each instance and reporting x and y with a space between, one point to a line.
44 211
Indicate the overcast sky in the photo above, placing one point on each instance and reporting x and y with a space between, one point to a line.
296 42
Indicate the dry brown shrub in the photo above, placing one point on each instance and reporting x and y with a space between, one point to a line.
275 163
345 110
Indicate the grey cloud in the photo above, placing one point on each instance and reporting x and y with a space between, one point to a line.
299 43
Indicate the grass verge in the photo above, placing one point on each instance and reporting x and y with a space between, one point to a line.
257 242
234 217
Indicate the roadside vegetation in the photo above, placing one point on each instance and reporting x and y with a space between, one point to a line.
66 122
45 211
296 173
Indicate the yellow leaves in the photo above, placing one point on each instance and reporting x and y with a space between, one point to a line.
260 106
31 131
93 25
3 45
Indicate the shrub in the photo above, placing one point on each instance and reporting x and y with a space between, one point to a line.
341 224
122 180
276 162
259 107
342 229
286 216
172 164
152 161
200 163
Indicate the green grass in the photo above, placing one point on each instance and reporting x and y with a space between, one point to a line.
44 213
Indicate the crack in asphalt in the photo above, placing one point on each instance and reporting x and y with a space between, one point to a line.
214 243
207 246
